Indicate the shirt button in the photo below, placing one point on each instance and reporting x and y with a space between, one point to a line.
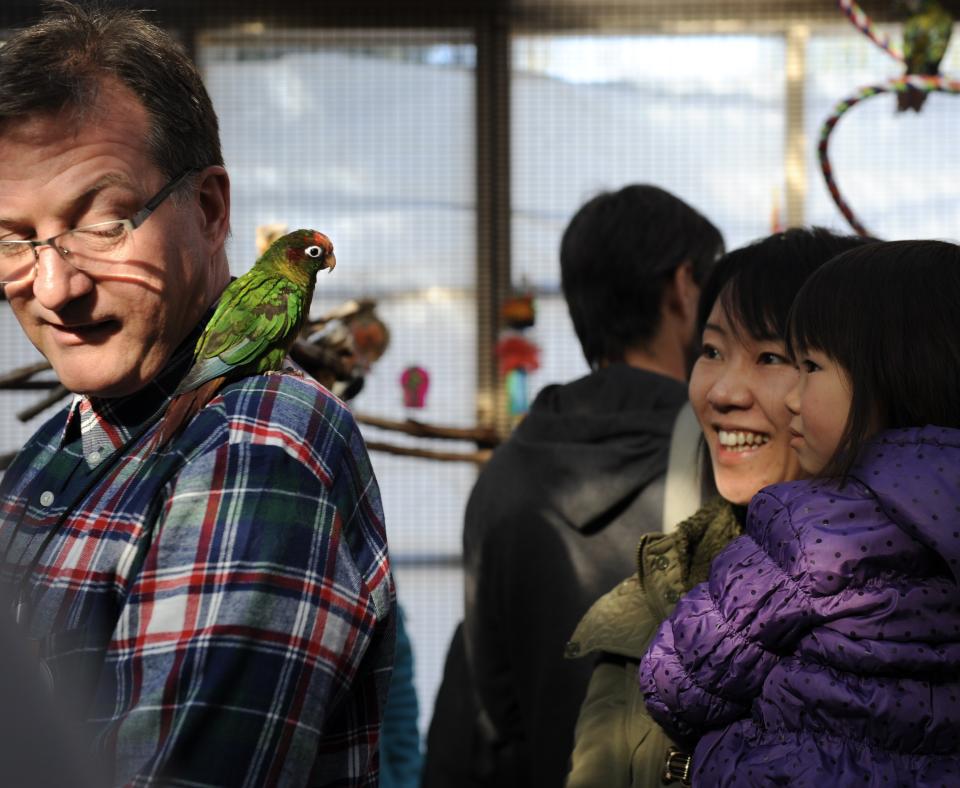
46 498
94 457
662 562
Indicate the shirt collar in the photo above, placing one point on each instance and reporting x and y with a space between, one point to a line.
105 424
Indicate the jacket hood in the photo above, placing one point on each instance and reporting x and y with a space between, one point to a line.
915 475
608 432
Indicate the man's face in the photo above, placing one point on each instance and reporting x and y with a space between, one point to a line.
105 334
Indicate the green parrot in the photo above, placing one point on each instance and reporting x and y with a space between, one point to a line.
257 319
925 37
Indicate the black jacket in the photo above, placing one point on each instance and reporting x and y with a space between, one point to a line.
550 526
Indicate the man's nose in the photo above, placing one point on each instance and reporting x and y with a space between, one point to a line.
57 281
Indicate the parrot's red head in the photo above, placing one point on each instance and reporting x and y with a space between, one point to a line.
309 248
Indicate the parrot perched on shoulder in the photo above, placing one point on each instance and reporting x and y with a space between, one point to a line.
256 321
925 37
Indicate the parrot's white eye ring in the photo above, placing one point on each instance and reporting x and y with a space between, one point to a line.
313 251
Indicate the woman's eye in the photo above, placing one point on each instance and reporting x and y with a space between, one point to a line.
709 351
767 359
809 366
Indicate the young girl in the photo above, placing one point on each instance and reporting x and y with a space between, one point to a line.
825 648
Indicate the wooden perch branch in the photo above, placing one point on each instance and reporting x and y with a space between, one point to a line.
31 385
17 378
484 437
55 395
476 457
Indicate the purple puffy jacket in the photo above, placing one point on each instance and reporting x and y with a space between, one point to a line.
825 648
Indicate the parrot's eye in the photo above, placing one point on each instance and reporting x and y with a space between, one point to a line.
313 251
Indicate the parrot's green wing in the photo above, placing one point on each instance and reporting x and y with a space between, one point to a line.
253 325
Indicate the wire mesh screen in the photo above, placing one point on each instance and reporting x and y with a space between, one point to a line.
370 135
898 171
701 116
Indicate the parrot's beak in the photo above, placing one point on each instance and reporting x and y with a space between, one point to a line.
330 261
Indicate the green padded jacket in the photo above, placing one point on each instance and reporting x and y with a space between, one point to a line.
616 743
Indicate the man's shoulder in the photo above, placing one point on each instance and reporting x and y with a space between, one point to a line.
287 383
286 399
509 492
277 411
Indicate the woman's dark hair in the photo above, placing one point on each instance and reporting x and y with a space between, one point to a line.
61 62
889 314
756 284
617 255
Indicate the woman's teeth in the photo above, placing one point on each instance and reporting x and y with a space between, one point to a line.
742 440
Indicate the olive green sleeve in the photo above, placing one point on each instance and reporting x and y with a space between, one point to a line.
650 743
616 743
601 753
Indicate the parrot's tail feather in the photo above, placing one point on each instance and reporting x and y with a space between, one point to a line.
184 407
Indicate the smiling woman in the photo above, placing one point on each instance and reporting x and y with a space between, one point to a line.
737 389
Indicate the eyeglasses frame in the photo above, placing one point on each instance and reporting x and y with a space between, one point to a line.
131 224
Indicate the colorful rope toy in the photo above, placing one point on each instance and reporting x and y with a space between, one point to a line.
865 25
898 85
926 84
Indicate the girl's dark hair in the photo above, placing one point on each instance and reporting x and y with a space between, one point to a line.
756 284
889 314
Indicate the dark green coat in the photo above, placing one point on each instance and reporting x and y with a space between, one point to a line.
616 741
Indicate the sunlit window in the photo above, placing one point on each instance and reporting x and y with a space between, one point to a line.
700 116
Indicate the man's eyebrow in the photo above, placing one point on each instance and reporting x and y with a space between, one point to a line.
83 199
104 182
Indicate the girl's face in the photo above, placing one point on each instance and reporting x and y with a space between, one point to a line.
820 404
737 390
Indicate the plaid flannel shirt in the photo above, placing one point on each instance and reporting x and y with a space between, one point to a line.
219 612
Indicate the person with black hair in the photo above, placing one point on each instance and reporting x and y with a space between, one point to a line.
737 389
552 517
824 649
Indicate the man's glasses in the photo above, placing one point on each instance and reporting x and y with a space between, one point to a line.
88 248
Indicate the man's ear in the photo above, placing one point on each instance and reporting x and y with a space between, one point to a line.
213 196
682 293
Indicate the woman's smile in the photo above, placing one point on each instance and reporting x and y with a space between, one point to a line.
741 440
737 390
